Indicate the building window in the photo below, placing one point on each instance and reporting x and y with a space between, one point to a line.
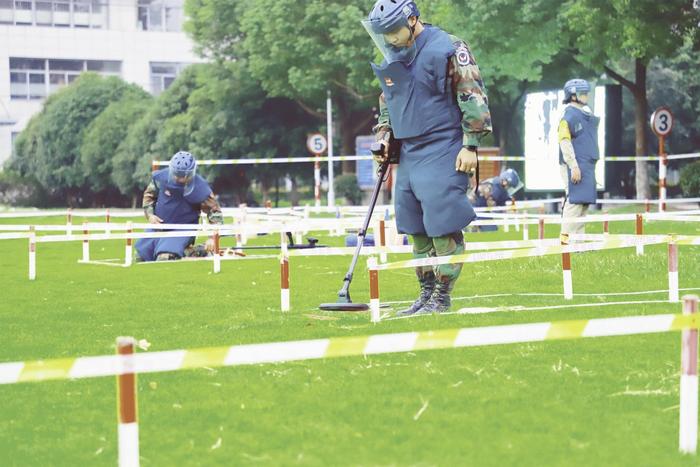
160 15
32 78
54 13
163 74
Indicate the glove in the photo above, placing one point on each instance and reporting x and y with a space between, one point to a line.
575 175
153 219
383 138
466 161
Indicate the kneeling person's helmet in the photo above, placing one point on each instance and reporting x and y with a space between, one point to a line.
513 180
182 170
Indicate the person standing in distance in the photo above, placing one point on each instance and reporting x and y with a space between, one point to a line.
434 104
578 154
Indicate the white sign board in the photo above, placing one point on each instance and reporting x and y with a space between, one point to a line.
543 111
662 121
316 144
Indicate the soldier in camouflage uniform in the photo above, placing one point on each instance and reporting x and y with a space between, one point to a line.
177 195
434 102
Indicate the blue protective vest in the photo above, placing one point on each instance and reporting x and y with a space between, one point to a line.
173 206
583 127
500 195
419 96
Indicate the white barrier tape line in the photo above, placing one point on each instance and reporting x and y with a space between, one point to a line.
692 155
671 218
513 254
277 352
208 258
103 263
604 237
370 250
14 236
519 308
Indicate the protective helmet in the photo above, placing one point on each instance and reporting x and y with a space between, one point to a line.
389 16
182 170
574 87
513 179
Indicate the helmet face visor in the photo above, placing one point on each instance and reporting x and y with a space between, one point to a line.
392 40
183 178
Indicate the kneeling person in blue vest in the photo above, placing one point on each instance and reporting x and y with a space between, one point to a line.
496 191
434 104
578 154
177 195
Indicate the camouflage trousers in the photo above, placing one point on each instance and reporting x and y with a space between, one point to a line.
447 245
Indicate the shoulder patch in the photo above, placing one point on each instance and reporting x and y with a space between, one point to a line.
463 56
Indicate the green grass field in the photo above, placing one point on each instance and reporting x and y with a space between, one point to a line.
605 401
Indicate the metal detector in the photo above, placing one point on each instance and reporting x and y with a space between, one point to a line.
344 302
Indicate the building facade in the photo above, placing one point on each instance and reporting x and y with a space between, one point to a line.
46 44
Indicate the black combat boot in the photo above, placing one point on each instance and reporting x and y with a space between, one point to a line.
440 300
427 285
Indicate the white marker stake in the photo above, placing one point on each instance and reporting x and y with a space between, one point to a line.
382 240
373 289
673 271
640 231
86 244
128 430
108 230
285 304
32 253
688 429
69 221
217 255
129 250
526 232
566 270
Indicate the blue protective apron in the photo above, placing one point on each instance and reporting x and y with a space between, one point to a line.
430 196
174 207
583 127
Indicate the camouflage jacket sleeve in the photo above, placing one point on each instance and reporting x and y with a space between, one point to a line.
383 124
150 196
211 207
470 91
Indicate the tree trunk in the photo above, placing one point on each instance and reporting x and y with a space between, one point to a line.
640 127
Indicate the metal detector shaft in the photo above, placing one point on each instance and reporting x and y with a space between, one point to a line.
344 291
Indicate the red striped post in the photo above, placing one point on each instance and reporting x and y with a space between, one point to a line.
128 430
217 256
606 225
69 221
129 250
566 269
672 270
32 253
285 304
107 219
663 168
540 230
373 289
526 230
640 231
688 418
514 210
382 240
86 243
647 206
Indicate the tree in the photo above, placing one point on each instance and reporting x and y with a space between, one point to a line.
611 33
297 50
104 135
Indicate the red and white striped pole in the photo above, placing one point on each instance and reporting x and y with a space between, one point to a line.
108 230
688 419
373 289
640 231
566 269
285 304
606 225
129 250
32 253
663 166
540 230
672 270
317 182
86 244
647 206
382 240
217 255
69 221
526 230
514 210
128 430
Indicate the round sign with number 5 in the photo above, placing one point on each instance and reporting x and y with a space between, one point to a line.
316 144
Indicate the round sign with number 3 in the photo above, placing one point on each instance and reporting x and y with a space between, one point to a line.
662 121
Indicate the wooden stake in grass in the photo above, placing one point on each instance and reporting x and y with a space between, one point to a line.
129 250
672 270
566 269
128 430
373 289
688 423
32 253
640 231
285 304
86 244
